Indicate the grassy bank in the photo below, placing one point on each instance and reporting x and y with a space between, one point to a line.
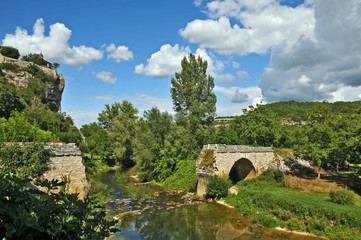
272 204
94 167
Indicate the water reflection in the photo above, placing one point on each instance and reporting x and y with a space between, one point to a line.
204 222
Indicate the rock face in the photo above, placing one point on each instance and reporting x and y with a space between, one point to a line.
20 78
67 163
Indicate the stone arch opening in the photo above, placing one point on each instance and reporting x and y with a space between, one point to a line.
242 169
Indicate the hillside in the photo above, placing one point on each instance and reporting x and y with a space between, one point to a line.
42 81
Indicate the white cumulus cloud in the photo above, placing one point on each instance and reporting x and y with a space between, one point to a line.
105 77
262 24
54 47
324 67
119 54
165 62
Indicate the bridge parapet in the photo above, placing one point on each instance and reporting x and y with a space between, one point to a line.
222 148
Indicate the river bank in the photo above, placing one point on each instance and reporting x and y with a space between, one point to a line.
152 211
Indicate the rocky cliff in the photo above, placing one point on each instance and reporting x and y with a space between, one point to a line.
15 72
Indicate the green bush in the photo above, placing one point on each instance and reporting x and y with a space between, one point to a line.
217 186
9 66
184 178
30 160
343 197
10 52
32 214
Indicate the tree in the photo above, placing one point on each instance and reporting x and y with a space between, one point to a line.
257 126
191 90
121 133
111 111
10 52
193 97
33 57
9 99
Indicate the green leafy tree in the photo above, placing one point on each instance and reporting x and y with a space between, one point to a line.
33 57
25 161
258 126
18 129
121 134
97 141
10 52
193 97
10 100
113 110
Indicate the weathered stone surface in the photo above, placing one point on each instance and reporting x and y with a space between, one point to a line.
20 78
67 162
226 156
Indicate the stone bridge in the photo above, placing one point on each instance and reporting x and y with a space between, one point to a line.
236 161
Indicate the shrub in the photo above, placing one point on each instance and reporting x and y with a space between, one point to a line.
9 66
217 186
208 156
27 161
31 214
10 52
184 178
343 197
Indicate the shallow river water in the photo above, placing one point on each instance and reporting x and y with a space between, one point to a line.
167 216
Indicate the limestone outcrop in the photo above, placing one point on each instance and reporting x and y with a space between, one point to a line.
20 78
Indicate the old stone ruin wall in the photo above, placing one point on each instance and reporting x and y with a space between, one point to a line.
67 164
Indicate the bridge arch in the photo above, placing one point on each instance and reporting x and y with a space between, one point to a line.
242 169
239 162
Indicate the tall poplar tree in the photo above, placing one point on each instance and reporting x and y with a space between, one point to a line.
193 97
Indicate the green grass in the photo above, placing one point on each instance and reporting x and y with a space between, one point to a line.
271 204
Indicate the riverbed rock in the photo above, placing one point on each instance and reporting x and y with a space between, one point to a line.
233 190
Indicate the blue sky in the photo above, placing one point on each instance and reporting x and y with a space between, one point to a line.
258 51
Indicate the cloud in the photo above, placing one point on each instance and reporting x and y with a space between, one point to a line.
235 65
165 62
145 102
262 25
104 98
224 78
252 95
105 77
120 53
239 97
82 117
54 47
242 75
197 2
326 66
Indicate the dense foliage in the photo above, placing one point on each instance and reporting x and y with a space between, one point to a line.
9 52
18 129
217 186
343 197
38 109
26 161
32 214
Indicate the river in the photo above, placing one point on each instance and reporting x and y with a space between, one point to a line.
155 213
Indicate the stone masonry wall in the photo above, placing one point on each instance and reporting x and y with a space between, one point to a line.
67 161
225 156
